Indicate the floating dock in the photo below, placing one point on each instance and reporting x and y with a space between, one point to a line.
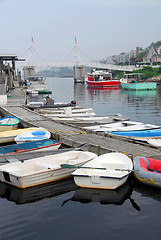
69 135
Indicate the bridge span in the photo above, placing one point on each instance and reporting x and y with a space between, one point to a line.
128 68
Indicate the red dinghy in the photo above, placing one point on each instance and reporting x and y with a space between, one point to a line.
148 170
101 79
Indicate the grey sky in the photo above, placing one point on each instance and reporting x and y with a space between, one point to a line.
102 27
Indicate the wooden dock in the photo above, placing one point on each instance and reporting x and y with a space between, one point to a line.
69 135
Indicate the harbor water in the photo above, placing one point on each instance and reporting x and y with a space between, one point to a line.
61 210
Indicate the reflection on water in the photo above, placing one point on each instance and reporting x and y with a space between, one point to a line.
148 191
37 193
63 210
142 106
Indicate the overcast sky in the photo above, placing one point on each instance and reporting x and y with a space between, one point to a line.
102 27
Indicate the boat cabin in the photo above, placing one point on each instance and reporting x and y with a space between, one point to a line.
132 77
99 76
39 79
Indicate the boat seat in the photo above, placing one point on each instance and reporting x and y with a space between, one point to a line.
48 165
113 165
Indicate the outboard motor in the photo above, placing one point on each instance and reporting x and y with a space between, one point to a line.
48 102
73 102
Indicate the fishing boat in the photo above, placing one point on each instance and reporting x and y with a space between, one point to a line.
108 171
33 135
9 136
133 82
42 170
147 170
8 123
142 135
121 126
101 79
45 144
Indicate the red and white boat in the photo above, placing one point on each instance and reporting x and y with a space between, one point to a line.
101 79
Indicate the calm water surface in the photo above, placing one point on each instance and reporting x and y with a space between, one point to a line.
63 211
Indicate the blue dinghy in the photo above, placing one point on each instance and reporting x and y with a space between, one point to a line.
47 144
140 134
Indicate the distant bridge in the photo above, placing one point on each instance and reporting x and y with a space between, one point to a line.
78 67
128 68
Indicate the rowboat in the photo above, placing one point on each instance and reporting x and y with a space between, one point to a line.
9 136
101 79
108 171
33 135
23 156
147 170
8 123
121 126
133 82
46 144
142 135
42 170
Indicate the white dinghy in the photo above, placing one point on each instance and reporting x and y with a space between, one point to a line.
108 171
42 170
33 135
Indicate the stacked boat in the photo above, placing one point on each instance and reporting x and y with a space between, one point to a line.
121 126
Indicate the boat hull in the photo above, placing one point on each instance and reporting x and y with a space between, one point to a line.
138 86
109 83
99 182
